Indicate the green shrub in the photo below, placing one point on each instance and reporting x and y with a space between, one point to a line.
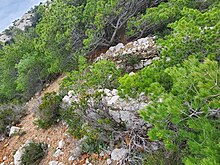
33 153
196 33
48 111
102 74
156 19
142 81
10 114
162 157
186 118
82 125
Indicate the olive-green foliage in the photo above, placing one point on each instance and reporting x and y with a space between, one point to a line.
195 33
102 74
33 153
48 112
10 114
22 68
80 126
162 157
54 35
187 115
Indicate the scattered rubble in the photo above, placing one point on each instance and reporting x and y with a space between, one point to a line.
132 56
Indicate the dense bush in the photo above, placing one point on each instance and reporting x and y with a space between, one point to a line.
156 19
48 111
82 125
10 114
102 74
142 81
195 34
33 153
187 117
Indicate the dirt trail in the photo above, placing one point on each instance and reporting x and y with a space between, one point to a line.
50 136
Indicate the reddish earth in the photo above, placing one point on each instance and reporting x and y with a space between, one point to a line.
51 136
31 132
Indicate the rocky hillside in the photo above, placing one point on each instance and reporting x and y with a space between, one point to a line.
63 148
141 84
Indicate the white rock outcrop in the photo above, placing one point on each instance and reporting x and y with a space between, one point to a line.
140 52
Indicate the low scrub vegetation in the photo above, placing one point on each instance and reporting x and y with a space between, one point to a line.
48 111
33 153
10 114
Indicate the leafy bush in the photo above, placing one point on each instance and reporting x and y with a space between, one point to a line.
102 74
196 33
48 111
10 114
186 118
81 124
156 19
33 153
142 81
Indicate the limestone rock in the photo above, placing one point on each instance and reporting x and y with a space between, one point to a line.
119 154
61 144
53 162
108 161
14 130
113 100
58 153
19 152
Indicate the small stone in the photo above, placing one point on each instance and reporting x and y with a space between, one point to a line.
61 144
115 115
71 158
53 162
14 130
168 59
148 62
160 100
119 46
119 154
4 158
112 48
66 99
102 154
113 100
19 152
58 153
142 40
156 58
87 161
114 92
131 74
107 92
70 93
138 66
108 161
